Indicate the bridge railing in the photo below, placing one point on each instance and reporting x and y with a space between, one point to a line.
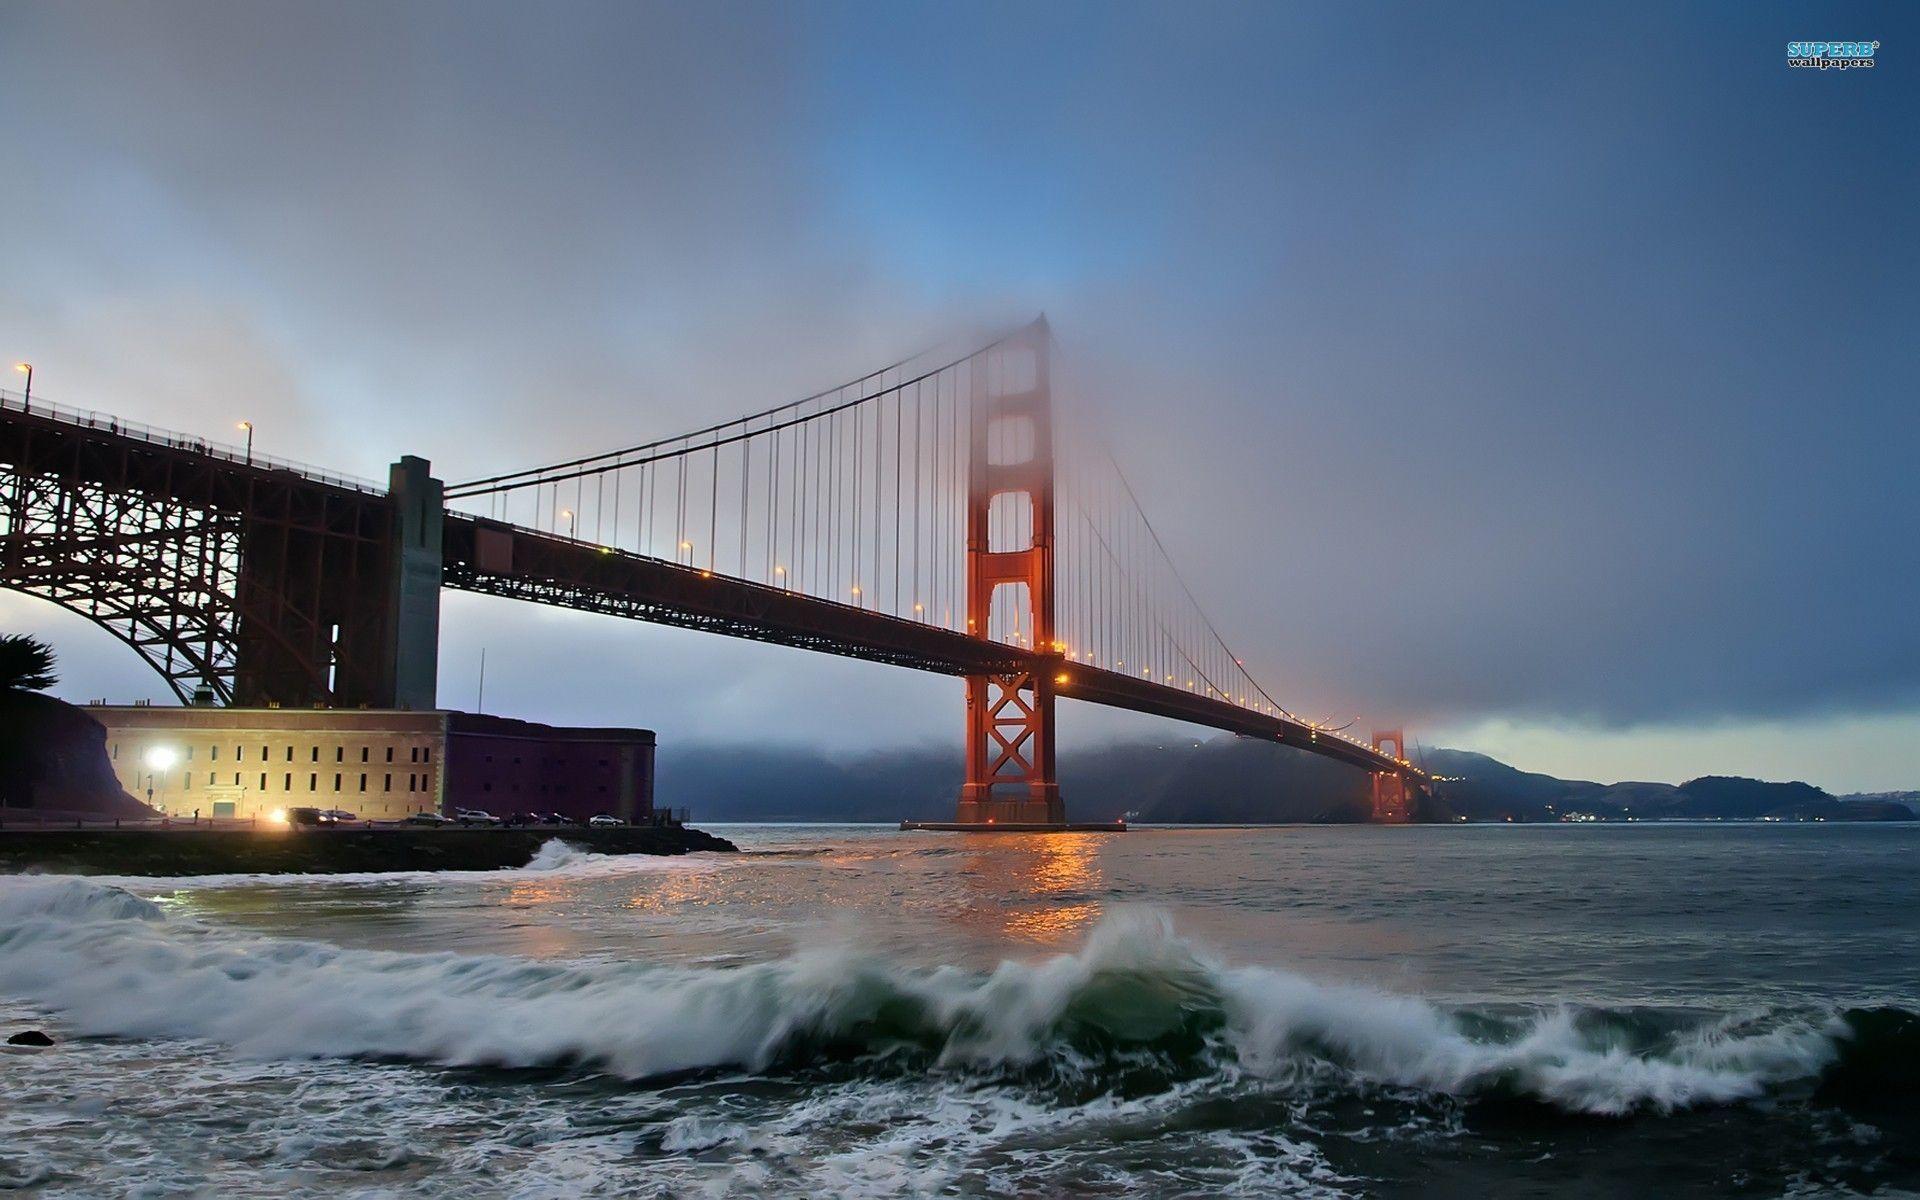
173 440
689 570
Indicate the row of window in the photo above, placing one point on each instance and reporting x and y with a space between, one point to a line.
416 781
368 810
547 761
415 754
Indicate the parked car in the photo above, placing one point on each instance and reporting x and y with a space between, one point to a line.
526 819
339 816
474 816
308 817
604 820
425 818
560 819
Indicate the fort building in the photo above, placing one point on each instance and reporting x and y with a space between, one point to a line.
379 764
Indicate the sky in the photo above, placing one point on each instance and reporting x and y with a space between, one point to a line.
1536 379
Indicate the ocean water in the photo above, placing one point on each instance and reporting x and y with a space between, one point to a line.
852 1011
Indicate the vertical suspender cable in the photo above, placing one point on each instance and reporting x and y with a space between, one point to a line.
919 403
680 511
859 469
897 398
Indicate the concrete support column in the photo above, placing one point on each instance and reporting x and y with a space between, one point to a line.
413 608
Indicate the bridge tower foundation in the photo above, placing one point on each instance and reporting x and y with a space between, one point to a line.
1011 779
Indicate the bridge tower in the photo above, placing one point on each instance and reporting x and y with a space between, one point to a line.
1011 778
1392 800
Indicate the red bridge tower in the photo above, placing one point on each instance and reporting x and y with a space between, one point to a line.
1392 800
1011 779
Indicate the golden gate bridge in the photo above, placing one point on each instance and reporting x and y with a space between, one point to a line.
940 514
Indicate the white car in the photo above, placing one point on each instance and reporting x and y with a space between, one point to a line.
424 818
473 816
604 821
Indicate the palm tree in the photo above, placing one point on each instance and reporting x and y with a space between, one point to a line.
26 663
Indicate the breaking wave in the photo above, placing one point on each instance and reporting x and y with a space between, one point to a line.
1138 1000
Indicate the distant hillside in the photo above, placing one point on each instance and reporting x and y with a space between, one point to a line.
1484 788
1907 800
1222 780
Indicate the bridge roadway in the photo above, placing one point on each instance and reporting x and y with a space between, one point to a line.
497 559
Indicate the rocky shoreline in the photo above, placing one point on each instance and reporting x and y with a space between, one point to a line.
164 852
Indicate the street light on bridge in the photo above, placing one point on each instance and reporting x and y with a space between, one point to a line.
572 523
26 368
246 427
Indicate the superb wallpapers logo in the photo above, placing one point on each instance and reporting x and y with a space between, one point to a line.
1831 56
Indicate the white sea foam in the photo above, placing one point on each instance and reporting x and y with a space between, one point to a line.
1282 1022
110 963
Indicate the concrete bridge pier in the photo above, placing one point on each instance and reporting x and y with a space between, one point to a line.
415 565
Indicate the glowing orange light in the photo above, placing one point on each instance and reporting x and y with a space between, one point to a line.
1060 678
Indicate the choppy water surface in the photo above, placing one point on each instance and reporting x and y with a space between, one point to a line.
1705 1010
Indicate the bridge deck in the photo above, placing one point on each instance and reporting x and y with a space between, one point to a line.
504 560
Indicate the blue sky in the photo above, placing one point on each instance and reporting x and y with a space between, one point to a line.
1604 326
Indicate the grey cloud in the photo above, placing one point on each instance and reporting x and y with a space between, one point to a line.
1542 385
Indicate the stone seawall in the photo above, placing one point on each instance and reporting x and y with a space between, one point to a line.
317 851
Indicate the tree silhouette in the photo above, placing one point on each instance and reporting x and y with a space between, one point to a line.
26 664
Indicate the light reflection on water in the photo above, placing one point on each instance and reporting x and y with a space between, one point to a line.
1627 914
1037 889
